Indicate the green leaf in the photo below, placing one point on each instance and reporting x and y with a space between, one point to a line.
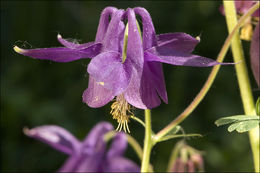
243 126
165 138
240 123
174 130
235 118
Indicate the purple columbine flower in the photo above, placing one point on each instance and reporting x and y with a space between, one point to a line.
128 66
91 154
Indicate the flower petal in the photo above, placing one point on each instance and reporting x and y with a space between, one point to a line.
156 73
96 95
134 46
60 54
176 41
114 33
133 93
141 92
254 55
73 45
107 68
56 137
149 38
148 88
118 146
154 69
120 164
135 57
181 59
103 23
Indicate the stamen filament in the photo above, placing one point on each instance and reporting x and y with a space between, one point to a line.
120 110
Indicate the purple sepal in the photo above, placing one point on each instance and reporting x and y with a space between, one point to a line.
56 137
61 54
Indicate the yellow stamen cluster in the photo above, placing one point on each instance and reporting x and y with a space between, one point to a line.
246 31
120 110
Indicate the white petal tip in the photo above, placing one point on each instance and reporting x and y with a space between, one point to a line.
19 50
59 36
198 38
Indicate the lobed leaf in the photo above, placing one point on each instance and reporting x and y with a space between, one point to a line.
236 118
243 126
240 123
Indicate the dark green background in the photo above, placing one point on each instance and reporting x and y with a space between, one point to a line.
35 92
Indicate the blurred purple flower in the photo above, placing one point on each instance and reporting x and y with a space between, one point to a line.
248 34
254 55
187 159
242 7
127 66
91 154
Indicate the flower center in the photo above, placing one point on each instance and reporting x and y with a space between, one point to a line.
120 110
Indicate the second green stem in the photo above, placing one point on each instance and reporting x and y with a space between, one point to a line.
243 78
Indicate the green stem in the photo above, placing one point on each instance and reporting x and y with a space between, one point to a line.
209 81
147 142
243 78
138 120
135 145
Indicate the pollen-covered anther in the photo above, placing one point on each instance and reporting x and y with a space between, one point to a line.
120 110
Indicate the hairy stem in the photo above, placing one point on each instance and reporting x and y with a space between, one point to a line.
147 142
243 78
210 79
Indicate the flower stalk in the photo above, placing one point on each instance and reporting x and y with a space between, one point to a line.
210 79
243 78
147 142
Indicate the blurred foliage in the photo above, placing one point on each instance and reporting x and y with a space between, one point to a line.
35 92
